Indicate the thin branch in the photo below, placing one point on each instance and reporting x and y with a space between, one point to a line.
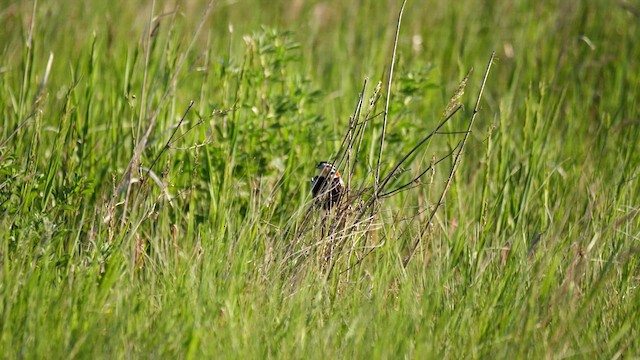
141 143
388 99
22 123
165 147
454 167
137 151
451 132
347 141
415 148
429 168
372 103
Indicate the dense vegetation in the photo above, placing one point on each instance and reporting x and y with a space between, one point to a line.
154 179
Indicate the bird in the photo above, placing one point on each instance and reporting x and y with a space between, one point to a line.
328 186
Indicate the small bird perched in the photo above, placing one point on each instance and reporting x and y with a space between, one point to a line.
328 186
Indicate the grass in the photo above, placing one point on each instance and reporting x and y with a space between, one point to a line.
155 163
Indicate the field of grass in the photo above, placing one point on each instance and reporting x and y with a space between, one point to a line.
155 160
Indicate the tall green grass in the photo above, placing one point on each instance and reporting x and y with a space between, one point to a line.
533 254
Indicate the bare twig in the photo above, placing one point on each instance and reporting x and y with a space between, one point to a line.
347 141
164 148
388 99
137 152
22 123
454 166
415 148
372 103
417 178
141 143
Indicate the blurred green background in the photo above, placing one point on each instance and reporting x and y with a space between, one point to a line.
534 253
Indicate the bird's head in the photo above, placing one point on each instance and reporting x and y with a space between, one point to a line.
327 169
